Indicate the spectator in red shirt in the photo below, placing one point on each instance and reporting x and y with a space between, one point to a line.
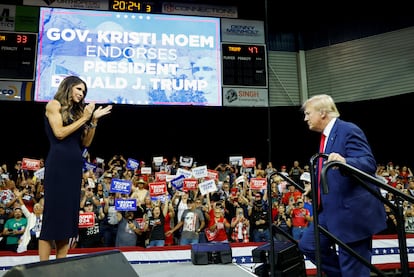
218 225
292 194
300 219
240 225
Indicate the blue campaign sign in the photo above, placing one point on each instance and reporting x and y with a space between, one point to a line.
162 198
178 182
89 166
126 204
121 186
132 164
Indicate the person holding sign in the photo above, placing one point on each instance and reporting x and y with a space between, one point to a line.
217 227
30 238
89 221
128 229
70 125
156 223
191 223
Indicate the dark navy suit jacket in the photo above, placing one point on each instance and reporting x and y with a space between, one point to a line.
349 211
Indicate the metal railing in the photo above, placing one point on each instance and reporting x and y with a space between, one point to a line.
362 178
274 228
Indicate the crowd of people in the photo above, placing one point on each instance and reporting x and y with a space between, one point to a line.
72 201
234 212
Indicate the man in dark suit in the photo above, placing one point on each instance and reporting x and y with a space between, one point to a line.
348 211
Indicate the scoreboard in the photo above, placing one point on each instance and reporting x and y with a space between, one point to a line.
17 55
244 65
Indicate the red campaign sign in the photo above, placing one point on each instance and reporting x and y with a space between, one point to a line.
212 174
30 164
86 220
249 162
141 223
234 191
258 183
157 188
160 176
190 184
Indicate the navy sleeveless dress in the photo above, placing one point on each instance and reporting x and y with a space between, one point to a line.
62 184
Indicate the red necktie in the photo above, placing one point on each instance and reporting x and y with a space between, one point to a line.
320 164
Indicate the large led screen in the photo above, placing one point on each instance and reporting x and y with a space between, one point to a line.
130 58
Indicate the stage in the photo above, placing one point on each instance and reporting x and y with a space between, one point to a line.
176 260
183 269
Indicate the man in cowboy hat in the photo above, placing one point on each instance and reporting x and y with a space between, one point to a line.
140 190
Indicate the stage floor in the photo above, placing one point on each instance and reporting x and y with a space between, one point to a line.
188 269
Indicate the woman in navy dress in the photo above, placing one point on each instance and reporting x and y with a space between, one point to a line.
70 126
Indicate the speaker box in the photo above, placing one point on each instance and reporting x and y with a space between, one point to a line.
211 253
103 264
285 253
295 270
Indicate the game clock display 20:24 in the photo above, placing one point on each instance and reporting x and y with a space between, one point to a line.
131 6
